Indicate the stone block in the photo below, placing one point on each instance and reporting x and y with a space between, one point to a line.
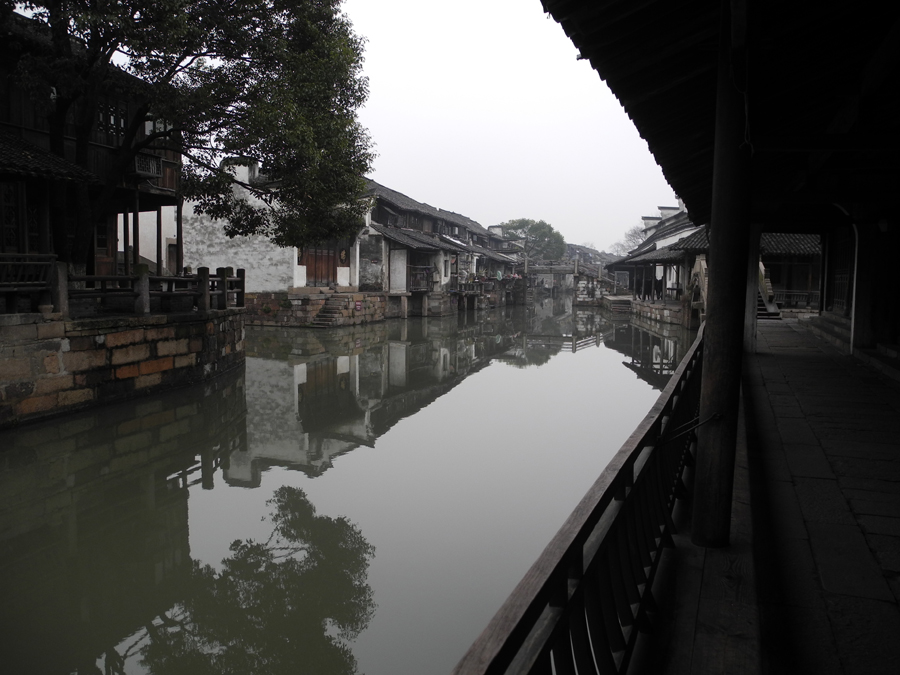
131 370
17 390
75 396
145 381
54 329
21 333
171 347
127 337
196 344
85 342
166 333
36 404
12 369
130 354
51 364
156 365
48 385
77 361
185 360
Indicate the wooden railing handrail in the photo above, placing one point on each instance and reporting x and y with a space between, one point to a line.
222 287
579 586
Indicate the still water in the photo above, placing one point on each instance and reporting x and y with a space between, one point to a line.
354 500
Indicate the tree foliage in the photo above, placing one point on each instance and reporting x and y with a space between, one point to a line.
275 81
286 605
634 236
540 240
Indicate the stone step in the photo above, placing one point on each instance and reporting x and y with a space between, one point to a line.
832 332
836 320
890 351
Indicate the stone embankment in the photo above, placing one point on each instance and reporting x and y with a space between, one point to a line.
322 307
52 366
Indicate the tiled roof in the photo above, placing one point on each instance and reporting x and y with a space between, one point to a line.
401 201
659 256
667 254
402 237
698 241
783 243
419 241
20 158
492 255
770 243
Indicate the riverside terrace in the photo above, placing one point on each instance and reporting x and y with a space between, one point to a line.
97 339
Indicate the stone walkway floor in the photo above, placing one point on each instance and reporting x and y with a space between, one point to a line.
824 451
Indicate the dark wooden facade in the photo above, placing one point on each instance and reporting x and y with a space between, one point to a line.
145 182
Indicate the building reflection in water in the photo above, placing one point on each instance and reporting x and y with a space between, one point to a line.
94 521
652 350
349 386
95 562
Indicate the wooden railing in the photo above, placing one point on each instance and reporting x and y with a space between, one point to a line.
31 275
206 291
419 278
797 298
581 605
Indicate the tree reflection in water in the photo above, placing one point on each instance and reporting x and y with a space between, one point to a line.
286 605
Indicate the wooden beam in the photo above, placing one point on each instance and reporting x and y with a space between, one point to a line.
833 142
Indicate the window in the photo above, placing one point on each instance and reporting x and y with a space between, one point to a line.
446 267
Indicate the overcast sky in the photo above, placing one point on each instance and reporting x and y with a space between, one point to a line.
481 107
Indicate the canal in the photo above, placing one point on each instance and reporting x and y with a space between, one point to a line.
354 500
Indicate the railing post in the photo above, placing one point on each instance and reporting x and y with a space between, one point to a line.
242 287
221 301
203 288
142 289
59 288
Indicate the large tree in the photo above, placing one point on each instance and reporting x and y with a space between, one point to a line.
540 240
275 81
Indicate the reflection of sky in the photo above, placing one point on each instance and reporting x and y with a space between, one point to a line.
458 499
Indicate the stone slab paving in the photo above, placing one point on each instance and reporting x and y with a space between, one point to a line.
827 451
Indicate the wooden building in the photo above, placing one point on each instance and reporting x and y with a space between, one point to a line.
119 173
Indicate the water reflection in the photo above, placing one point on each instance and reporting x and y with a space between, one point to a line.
103 567
349 386
94 521
653 350
286 604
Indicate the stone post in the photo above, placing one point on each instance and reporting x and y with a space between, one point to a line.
222 288
142 289
242 287
59 288
203 288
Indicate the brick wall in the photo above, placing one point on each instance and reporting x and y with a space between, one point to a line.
50 367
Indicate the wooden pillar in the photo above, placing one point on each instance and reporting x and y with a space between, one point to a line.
44 219
752 289
126 244
728 250
179 239
159 242
136 227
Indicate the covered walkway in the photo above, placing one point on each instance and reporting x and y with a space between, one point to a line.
811 580
827 543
